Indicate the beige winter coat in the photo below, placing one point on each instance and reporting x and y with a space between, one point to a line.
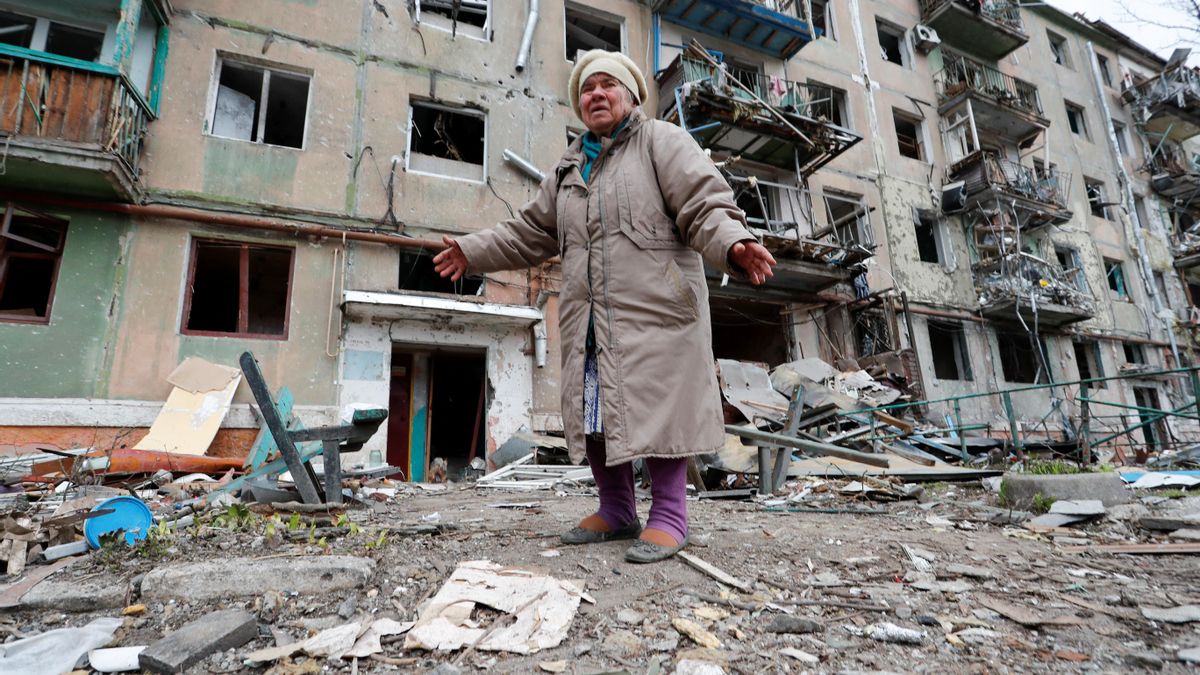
631 242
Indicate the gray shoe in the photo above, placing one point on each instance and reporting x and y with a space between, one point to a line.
643 551
579 535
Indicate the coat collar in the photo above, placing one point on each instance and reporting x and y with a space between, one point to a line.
573 157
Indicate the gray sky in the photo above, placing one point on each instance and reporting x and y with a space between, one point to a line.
1139 22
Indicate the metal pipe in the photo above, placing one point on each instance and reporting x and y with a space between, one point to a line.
807 446
527 37
525 166
230 219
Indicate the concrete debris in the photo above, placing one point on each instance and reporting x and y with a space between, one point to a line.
244 577
1078 507
214 632
115 659
696 633
1020 490
539 607
800 655
794 624
890 632
1180 614
1189 655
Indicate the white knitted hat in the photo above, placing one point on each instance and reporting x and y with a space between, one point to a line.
612 63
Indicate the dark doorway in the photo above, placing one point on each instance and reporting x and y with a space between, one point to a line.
1146 397
400 413
744 330
457 398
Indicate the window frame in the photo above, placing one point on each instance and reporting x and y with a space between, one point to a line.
486 30
955 331
267 67
243 289
1075 272
1060 49
1077 111
922 147
1100 202
1041 376
1118 284
471 112
828 18
862 226
901 35
839 101
579 8
1102 63
1121 131
56 254
1090 350
41 33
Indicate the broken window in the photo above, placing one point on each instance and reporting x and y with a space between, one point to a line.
1105 72
848 218
1147 398
1160 284
260 105
1088 361
748 74
1134 353
31 246
891 43
238 289
830 104
1072 266
745 330
16 29
1097 202
468 17
444 141
1116 277
1139 209
948 345
588 28
74 42
909 135
1058 49
758 202
871 333
1020 359
1077 120
417 274
1122 138
928 246
822 19
43 35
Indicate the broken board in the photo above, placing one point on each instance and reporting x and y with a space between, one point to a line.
189 420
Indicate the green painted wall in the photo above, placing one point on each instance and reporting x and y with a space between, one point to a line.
249 171
67 357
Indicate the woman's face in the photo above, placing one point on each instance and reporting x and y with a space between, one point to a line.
604 102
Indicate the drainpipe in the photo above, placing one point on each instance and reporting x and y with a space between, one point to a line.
1128 204
525 166
527 38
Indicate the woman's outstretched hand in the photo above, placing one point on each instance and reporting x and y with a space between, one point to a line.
755 260
451 262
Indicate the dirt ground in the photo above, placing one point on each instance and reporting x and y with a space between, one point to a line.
936 566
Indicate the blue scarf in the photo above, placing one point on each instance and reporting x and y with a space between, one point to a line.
592 147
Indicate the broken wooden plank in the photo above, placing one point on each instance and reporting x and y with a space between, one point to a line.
713 571
1135 549
905 427
10 595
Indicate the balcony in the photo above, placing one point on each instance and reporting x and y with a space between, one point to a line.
770 121
773 27
1000 104
1185 248
74 125
1175 173
811 257
1021 286
989 29
1036 198
1168 103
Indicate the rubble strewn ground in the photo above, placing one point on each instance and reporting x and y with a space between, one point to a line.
941 583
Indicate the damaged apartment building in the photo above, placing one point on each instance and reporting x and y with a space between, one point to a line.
962 196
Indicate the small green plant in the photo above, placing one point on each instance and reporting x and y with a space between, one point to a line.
235 517
294 522
1003 494
1173 493
1042 503
379 541
1052 468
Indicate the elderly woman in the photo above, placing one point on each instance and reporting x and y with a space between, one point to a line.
631 208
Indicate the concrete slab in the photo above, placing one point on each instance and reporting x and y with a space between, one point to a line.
242 577
214 632
74 595
1078 507
1169 522
1018 489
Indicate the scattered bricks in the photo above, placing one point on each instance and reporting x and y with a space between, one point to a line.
1019 490
218 631
241 577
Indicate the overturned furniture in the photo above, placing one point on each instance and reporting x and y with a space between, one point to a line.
334 441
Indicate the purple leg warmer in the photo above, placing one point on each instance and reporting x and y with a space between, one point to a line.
668 487
618 506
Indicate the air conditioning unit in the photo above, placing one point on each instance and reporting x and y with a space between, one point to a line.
925 38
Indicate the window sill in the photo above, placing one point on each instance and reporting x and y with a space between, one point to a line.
255 143
27 320
241 336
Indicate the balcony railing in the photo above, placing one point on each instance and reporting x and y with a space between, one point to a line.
1179 84
1000 11
800 98
960 74
91 106
990 171
1020 275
